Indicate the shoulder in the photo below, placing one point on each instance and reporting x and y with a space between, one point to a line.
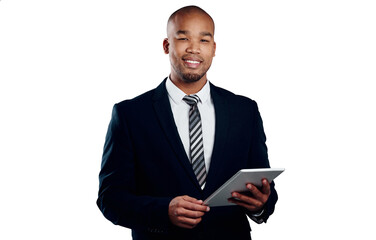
134 109
144 100
136 102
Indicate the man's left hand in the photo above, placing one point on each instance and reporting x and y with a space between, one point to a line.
256 201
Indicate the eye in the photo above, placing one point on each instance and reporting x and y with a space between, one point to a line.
182 39
204 40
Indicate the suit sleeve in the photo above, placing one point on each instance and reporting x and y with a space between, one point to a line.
259 159
118 198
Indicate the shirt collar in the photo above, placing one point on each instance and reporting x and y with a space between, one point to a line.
177 95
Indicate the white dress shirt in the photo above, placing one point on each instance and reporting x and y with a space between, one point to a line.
180 110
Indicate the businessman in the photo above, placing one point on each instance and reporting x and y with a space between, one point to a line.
168 149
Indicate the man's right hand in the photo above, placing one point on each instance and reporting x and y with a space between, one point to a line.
186 212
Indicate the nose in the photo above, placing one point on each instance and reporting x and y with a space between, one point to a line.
194 48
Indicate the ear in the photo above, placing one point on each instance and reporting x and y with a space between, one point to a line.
215 47
166 46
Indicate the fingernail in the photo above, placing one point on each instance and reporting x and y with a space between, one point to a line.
249 186
207 209
235 195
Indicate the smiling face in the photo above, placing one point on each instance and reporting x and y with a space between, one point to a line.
190 45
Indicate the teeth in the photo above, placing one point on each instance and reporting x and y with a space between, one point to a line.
191 61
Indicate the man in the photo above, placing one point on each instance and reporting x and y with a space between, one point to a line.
168 149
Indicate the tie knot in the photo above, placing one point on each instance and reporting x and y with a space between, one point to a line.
191 100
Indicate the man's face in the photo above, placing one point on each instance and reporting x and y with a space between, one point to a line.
190 45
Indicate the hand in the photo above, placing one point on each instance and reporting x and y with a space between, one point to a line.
256 201
186 212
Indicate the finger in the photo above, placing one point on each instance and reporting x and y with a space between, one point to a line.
256 193
247 200
183 225
188 213
265 187
243 204
189 221
192 199
194 206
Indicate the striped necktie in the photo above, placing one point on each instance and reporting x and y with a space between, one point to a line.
196 141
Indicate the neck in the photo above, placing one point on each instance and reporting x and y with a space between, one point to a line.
189 88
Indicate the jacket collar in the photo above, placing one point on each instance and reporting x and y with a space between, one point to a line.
163 111
222 117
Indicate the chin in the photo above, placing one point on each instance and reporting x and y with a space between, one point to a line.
191 77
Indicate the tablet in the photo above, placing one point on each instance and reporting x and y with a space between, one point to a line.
237 183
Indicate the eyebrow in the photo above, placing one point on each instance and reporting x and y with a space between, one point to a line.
184 32
206 34
181 32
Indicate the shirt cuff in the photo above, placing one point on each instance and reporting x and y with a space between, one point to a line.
256 217
257 214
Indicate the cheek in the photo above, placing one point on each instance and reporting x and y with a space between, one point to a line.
180 48
174 58
209 53
209 58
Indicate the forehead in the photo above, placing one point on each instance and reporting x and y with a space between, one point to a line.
191 22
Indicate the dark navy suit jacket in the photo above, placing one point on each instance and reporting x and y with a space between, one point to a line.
145 166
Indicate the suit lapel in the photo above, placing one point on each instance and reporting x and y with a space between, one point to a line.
164 113
221 128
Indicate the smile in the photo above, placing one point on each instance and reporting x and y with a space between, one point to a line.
192 63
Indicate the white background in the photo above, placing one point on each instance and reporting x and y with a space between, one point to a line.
309 65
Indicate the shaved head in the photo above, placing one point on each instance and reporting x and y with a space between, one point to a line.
186 11
190 45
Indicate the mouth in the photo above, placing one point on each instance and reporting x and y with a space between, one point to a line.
192 63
